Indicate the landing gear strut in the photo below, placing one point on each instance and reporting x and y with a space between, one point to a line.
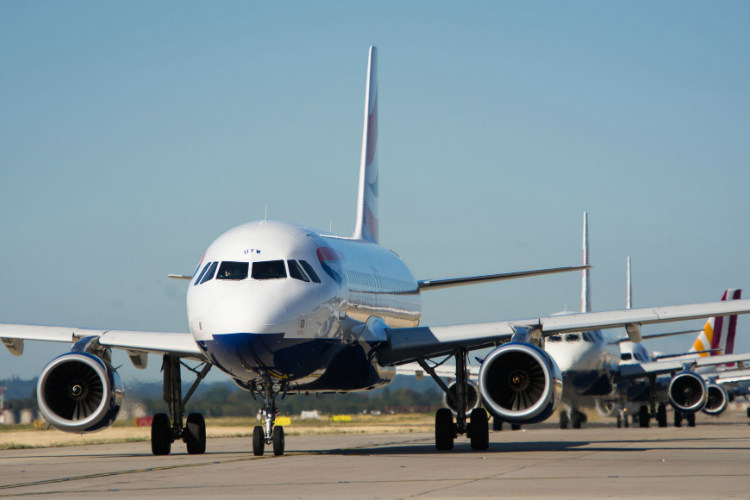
165 431
446 430
268 433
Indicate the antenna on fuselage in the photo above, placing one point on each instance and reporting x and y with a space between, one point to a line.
265 214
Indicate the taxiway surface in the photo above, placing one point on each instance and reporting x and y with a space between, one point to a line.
706 462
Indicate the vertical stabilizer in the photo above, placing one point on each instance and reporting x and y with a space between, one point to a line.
718 334
366 227
629 289
585 276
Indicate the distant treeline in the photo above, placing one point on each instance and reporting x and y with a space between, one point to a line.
405 395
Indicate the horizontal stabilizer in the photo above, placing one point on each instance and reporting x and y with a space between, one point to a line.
471 280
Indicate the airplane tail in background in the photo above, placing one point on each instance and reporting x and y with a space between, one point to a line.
585 274
366 227
718 334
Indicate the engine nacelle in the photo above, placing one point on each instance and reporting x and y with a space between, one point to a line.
79 392
687 392
471 398
520 383
717 400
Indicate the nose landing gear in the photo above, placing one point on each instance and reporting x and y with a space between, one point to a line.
268 433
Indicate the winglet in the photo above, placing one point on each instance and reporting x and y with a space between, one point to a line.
367 203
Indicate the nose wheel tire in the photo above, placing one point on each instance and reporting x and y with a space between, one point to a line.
195 434
444 430
161 434
259 441
278 441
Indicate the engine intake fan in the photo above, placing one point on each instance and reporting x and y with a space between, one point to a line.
717 400
471 398
79 392
687 392
520 383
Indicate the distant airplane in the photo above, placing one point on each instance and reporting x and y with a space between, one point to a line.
284 309
690 381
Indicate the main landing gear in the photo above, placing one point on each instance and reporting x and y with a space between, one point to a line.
166 429
446 430
268 433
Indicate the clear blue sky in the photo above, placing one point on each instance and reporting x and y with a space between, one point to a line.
134 133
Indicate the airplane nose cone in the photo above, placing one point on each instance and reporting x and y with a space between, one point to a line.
247 313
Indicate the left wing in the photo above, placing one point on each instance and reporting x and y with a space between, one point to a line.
408 344
180 344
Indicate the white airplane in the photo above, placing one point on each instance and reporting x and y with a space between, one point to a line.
598 374
284 309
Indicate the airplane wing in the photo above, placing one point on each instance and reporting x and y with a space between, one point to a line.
639 370
181 344
408 344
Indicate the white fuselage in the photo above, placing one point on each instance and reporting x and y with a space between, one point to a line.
277 298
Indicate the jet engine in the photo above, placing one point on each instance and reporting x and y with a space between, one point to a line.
717 400
687 392
472 397
520 383
79 392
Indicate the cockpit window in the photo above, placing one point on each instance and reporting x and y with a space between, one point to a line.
269 270
229 270
296 272
554 338
587 337
310 271
209 273
200 276
572 337
626 356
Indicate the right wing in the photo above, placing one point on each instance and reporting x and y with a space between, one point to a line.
180 344
408 344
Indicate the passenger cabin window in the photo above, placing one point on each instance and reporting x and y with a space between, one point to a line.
229 270
296 272
269 270
554 338
209 274
310 271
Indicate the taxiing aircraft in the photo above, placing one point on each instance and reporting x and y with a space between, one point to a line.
282 309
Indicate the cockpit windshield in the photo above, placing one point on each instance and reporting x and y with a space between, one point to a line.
269 270
229 270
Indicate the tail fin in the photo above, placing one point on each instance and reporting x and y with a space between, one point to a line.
366 227
718 334
585 276
629 289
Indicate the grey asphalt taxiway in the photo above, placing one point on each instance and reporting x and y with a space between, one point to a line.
708 461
